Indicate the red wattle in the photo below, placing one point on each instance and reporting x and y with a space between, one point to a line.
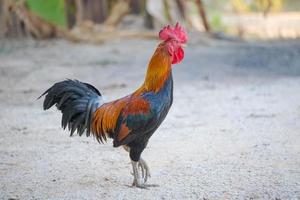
177 56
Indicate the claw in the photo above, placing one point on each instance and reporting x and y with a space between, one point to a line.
141 179
143 185
144 168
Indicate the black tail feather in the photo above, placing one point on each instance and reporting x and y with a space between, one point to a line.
77 101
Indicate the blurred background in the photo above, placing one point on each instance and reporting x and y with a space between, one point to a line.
93 20
232 131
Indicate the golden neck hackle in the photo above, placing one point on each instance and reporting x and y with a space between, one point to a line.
158 71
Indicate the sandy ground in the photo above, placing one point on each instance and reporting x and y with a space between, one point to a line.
232 133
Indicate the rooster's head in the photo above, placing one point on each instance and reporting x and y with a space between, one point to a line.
174 38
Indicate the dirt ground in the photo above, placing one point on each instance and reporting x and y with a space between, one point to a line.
232 132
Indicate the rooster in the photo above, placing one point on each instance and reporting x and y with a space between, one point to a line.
130 121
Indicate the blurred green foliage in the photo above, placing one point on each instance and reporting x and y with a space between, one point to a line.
215 20
215 12
55 12
51 10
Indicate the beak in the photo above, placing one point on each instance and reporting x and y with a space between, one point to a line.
184 45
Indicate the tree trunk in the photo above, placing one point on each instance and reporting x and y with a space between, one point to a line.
70 13
2 19
203 15
136 6
95 10
182 8
79 11
148 21
118 11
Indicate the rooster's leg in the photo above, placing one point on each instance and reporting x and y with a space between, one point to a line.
141 164
139 181
145 169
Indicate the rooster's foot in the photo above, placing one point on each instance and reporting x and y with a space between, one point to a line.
140 181
145 169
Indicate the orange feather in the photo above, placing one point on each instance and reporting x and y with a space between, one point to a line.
159 69
105 118
124 131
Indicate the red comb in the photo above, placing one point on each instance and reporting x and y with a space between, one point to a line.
178 33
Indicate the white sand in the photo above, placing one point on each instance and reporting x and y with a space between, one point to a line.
233 131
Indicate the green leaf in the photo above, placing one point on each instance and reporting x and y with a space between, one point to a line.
50 10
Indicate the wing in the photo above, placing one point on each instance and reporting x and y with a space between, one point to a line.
134 119
105 119
120 119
